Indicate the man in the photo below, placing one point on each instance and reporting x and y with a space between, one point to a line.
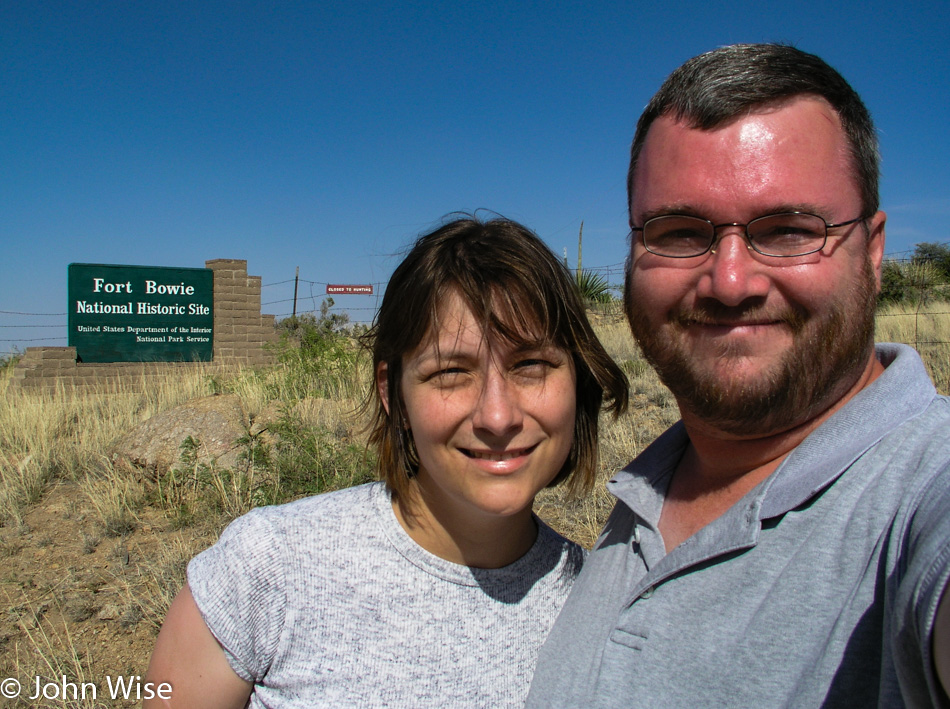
787 543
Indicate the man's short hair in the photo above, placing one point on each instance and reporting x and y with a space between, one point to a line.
716 87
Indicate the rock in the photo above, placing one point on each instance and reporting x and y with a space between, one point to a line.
110 611
216 422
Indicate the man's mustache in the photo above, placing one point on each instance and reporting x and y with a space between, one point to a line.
715 313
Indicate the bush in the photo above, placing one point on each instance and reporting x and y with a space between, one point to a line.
593 287
8 361
304 460
318 356
910 282
294 461
937 255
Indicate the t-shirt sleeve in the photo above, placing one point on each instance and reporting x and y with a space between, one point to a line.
926 575
239 587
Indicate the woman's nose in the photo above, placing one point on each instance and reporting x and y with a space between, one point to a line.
498 409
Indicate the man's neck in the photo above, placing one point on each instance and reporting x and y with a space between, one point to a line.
718 468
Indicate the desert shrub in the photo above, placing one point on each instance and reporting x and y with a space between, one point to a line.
911 282
308 460
593 287
8 361
316 357
936 255
288 461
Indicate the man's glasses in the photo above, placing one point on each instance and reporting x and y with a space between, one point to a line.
783 235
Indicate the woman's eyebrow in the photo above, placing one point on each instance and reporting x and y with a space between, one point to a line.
446 354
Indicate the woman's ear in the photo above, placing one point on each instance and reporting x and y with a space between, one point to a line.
382 384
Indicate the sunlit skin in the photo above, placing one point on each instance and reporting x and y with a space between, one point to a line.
189 658
492 425
791 157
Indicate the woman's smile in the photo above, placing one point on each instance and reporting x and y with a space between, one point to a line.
492 423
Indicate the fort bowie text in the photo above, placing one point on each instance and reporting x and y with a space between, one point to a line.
100 285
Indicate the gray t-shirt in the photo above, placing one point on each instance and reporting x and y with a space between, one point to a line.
327 602
818 588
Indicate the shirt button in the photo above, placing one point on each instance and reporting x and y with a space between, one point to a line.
647 593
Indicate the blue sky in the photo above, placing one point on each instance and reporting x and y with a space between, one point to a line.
327 135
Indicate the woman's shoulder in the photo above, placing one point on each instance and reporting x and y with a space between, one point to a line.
549 537
340 509
570 554
327 502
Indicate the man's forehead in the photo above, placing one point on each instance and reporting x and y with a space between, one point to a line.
760 153
763 108
806 113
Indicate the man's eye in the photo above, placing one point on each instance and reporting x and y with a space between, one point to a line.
788 231
670 239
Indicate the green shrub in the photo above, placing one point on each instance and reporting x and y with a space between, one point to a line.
292 460
317 356
304 460
937 255
910 282
593 287
8 362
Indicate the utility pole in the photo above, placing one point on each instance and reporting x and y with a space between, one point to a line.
580 242
296 278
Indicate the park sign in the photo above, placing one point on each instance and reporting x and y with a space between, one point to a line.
140 313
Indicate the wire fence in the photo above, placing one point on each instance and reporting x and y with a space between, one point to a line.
926 295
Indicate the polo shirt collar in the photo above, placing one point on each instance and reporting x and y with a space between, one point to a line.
903 391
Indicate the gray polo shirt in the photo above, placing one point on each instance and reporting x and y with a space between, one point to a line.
818 588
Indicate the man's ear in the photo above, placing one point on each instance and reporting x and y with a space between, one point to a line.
382 384
876 244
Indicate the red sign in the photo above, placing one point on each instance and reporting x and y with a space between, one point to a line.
338 289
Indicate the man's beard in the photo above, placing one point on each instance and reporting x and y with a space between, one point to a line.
828 353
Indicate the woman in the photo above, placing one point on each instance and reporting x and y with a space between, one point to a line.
437 585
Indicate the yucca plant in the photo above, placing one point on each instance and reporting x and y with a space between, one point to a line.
593 287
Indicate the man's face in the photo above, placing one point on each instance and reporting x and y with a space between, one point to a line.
753 344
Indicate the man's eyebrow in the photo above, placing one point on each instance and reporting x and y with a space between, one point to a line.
803 207
669 210
687 210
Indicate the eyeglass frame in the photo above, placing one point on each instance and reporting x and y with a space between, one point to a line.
745 233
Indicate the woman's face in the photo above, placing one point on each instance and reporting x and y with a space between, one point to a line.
492 423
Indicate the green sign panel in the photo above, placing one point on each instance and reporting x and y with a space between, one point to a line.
140 313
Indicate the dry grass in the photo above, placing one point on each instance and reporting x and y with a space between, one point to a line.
96 570
64 434
926 327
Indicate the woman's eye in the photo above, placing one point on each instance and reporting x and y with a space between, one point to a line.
534 366
446 374
534 363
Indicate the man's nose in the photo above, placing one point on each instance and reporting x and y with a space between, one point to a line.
732 272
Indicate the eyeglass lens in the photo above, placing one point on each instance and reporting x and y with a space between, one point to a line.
773 235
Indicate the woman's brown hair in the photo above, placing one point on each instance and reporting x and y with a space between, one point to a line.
518 290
